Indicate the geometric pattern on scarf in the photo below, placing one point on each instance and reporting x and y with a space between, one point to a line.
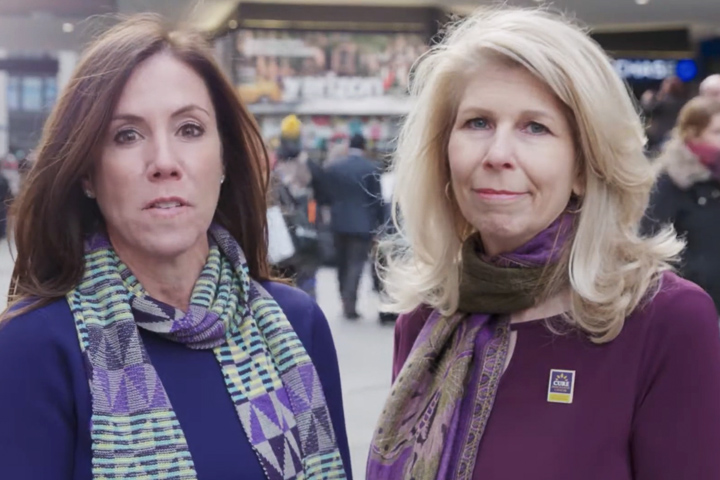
269 376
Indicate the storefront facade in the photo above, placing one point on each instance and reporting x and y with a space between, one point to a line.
645 58
342 70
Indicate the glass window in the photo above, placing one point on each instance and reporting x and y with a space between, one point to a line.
13 94
32 93
50 92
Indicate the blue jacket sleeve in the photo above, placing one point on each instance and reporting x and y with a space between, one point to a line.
37 417
324 358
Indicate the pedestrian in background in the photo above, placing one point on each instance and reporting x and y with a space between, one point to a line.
687 195
357 214
546 338
662 108
293 185
144 337
710 87
338 149
387 184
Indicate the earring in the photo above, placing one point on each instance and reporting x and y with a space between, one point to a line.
468 230
575 210
575 204
447 191
222 179
89 194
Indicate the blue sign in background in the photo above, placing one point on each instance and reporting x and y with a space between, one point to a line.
686 70
648 69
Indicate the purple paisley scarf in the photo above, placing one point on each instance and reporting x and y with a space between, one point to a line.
438 408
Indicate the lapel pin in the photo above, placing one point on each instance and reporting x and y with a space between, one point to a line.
562 386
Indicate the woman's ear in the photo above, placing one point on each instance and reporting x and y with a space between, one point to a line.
88 187
578 186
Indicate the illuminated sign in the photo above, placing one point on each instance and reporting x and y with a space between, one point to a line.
646 69
291 67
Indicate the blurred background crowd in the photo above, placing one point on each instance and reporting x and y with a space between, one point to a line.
328 86
341 69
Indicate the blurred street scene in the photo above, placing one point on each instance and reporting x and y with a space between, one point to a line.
328 86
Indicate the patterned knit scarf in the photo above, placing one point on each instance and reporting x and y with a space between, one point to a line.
268 374
439 406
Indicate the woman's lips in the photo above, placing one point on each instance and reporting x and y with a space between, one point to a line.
166 207
166 213
498 195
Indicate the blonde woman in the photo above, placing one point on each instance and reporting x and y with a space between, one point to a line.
688 193
546 338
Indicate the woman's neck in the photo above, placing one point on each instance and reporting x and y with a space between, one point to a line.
170 281
551 307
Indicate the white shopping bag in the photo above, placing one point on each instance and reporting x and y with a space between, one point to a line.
280 243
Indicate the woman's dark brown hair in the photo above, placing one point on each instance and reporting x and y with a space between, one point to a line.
51 214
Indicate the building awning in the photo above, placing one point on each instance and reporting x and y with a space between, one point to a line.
213 17
387 106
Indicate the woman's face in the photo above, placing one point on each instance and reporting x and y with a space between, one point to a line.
157 181
511 156
711 134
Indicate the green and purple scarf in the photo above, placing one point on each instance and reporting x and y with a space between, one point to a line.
268 374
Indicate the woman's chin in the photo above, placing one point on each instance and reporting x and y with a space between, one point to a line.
155 245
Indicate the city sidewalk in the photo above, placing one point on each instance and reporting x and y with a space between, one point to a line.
365 354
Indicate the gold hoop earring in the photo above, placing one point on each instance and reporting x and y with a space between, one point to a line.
468 231
577 201
447 191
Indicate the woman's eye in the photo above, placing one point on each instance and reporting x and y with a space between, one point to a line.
477 123
537 128
191 130
124 137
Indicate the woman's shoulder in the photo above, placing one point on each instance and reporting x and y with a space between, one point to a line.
49 323
301 310
679 310
407 328
675 293
41 343
408 325
42 369
677 338
290 299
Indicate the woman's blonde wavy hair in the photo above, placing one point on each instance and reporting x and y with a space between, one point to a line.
610 267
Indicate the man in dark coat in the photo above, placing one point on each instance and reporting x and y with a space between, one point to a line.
357 214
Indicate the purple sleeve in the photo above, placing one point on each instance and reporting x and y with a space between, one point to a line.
37 419
676 427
